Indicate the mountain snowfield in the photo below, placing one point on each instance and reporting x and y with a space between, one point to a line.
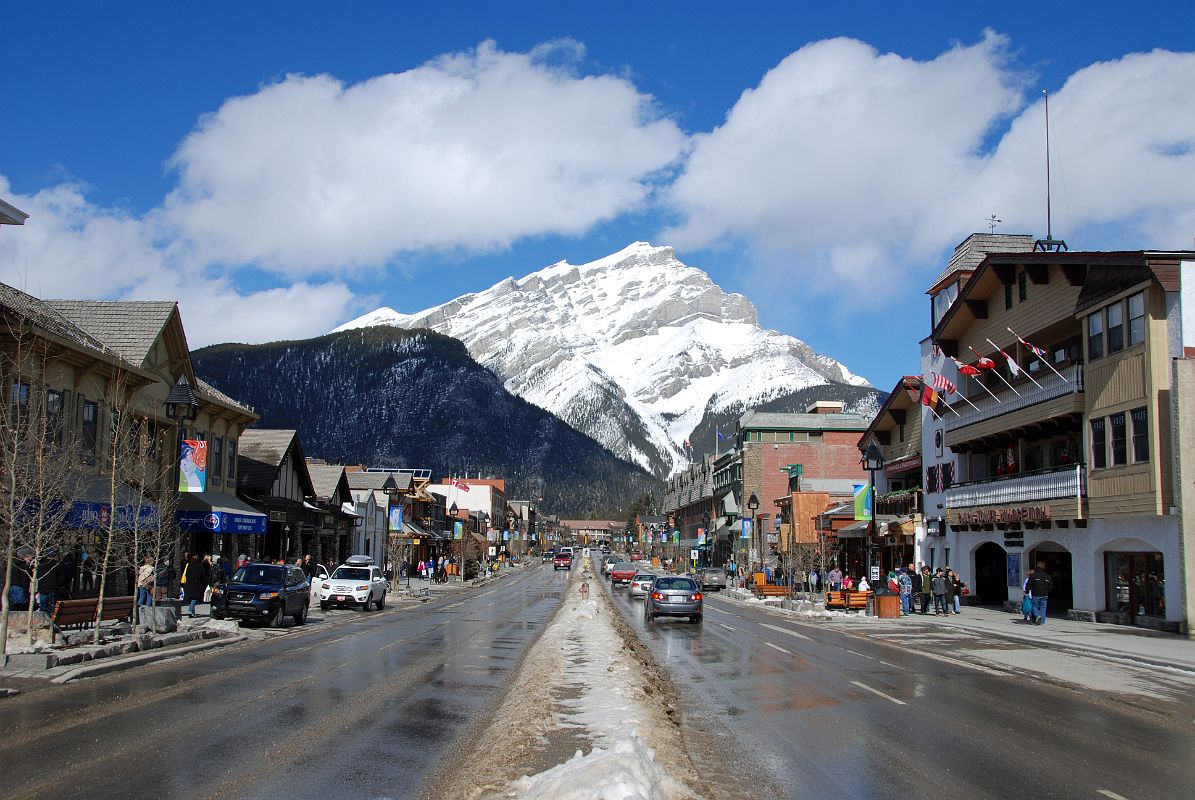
633 349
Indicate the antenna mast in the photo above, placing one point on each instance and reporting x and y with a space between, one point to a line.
1048 244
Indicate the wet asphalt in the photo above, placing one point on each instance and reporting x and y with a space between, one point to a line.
801 711
364 706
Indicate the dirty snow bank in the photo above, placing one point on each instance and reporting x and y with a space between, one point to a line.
586 685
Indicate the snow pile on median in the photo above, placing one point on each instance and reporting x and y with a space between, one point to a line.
586 685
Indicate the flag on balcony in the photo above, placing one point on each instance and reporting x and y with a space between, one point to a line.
929 396
944 383
1040 352
1012 364
984 362
965 369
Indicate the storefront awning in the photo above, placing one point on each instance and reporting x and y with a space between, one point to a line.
218 513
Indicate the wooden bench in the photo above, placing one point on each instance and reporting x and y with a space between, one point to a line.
83 613
849 601
769 590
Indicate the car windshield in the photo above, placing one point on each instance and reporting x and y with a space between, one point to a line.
260 573
643 576
713 572
684 584
351 573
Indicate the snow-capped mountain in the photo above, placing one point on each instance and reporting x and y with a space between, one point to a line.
633 349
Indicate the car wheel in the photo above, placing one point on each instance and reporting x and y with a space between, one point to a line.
382 601
323 606
368 603
695 620
276 620
301 617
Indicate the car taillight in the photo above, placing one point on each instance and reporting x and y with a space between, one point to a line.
695 596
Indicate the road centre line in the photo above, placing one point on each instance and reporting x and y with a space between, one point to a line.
785 630
881 694
1109 793
889 664
778 647
855 653
728 627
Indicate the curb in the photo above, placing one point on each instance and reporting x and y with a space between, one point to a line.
107 665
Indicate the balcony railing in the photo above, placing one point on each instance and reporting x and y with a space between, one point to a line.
900 503
985 406
1042 484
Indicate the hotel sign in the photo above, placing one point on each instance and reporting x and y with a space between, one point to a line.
999 516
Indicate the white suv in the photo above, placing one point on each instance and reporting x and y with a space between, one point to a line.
355 582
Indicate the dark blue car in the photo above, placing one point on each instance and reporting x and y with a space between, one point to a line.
263 592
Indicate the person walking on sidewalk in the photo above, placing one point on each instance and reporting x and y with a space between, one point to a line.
940 586
145 582
1040 585
905 580
835 579
925 589
956 589
195 581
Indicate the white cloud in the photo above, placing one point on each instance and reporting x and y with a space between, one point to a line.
472 150
70 248
846 167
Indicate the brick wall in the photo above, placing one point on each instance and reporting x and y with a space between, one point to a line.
836 456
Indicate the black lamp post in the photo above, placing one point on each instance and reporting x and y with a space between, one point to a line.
454 511
753 506
872 461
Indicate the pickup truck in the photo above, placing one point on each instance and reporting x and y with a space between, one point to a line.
623 573
562 561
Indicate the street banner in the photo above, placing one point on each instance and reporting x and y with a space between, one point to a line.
192 466
747 525
458 530
862 502
701 536
396 518
506 536
676 537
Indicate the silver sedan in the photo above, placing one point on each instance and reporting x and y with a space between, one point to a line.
641 584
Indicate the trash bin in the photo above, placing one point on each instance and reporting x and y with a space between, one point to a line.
887 606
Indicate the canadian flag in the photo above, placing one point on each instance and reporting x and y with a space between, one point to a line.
965 369
984 362
464 487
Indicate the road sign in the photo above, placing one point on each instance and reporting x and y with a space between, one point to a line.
875 573
693 555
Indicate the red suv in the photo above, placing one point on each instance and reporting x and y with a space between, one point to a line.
562 561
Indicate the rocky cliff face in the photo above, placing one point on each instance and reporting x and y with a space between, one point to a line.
635 350
388 397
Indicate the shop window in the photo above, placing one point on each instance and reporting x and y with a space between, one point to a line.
1140 434
1063 453
1135 584
55 408
1115 327
1099 447
1022 286
1120 451
1095 335
1137 319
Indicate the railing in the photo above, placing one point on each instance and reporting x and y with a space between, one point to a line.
985 406
1042 484
899 503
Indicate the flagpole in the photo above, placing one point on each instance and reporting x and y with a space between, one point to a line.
989 391
993 369
1026 371
1043 359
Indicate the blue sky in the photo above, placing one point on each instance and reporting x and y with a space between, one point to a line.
281 168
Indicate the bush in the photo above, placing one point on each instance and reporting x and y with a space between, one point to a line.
472 569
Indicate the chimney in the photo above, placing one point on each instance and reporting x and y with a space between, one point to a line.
824 407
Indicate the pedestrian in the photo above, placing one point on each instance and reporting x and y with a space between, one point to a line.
814 580
835 579
195 582
163 577
1039 586
87 569
939 586
905 580
145 582
49 576
18 589
925 589
956 590
864 586
308 566
1027 599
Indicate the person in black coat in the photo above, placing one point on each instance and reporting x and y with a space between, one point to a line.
198 575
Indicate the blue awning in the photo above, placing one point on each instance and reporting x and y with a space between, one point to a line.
218 513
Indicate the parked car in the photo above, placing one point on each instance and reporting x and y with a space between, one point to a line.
711 578
355 582
641 584
264 592
674 596
562 561
623 573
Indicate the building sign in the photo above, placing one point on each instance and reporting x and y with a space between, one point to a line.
999 516
221 522
1014 570
192 466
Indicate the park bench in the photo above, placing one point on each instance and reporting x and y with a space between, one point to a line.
849 601
769 590
82 613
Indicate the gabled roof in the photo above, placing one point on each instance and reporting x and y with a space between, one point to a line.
371 481
209 392
48 318
325 478
129 327
261 453
970 251
901 396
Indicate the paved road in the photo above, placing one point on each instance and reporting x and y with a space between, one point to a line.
367 709
827 715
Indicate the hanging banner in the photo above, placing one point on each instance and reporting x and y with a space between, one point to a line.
701 536
747 525
676 537
396 518
458 530
506 536
192 466
862 502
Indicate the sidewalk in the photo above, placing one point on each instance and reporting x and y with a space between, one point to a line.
1109 642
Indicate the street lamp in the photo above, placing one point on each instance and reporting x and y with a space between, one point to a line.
753 506
872 461
182 407
455 512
